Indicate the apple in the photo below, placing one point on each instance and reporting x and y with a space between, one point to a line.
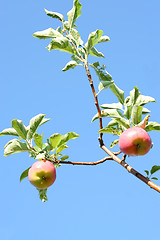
135 141
42 174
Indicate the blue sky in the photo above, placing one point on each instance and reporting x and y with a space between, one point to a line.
100 202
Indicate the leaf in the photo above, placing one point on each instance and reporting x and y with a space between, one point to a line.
104 39
48 33
115 142
117 92
136 114
40 156
55 15
38 139
154 169
112 113
152 126
144 122
128 111
69 65
76 59
145 110
142 100
9 131
61 148
110 130
64 157
15 146
55 139
93 39
75 34
123 122
35 122
112 106
154 178
74 13
147 172
112 123
43 194
61 44
65 138
20 128
94 52
134 94
24 174
102 74
105 85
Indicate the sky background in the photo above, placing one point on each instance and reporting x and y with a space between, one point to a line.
100 202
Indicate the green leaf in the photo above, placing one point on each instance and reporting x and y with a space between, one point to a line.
69 65
75 34
117 92
152 126
112 113
64 157
15 146
61 148
43 194
112 130
105 85
74 13
112 123
55 139
38 139
123 122
134 94
102 74
154 169
115 142
127 111
65 138
145 110
9 131
94 52
104 39
93 39
48 33
24 174
154 178
147 172
76 59
142 100
112 106
40 156
20 128
35 122
136 115
61 44
55 15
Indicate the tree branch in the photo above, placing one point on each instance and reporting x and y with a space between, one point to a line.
109 152
84 163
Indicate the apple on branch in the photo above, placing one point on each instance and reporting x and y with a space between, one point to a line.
42 174
135 141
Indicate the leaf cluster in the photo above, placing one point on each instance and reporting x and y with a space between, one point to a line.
28 140
126 113
66 38
153 170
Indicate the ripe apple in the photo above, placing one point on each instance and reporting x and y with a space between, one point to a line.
135 141
42 174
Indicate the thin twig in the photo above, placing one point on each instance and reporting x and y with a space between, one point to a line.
83 163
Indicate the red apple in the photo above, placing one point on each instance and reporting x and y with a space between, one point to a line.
42 174
135 141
